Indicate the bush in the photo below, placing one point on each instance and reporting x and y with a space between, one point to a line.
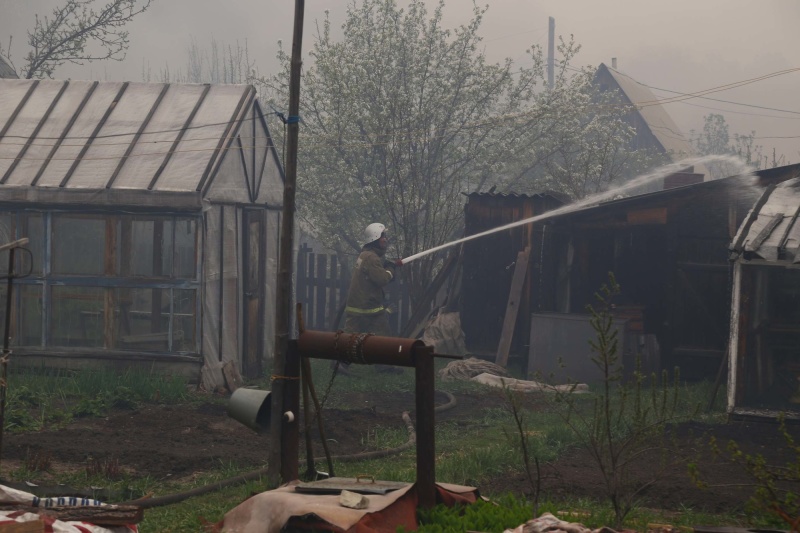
507 512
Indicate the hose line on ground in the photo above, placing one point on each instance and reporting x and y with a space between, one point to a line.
170 499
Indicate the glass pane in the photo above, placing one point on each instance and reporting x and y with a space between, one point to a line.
142 319
185 248
78 245
150 247
77 317
33 229
3 292
184 321
6 235
167 249
30 328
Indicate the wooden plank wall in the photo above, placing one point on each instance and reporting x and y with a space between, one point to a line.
321 287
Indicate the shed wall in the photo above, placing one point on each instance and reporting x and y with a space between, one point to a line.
488 268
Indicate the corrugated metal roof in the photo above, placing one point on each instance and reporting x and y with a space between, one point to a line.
561 197
763 178
6 71
771 230
658 121
86 135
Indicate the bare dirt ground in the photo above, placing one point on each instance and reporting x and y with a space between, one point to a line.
178 442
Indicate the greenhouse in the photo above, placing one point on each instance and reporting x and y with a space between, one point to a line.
152 213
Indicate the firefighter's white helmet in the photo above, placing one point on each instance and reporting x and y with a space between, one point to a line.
373 232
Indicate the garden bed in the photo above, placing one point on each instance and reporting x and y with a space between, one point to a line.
183 441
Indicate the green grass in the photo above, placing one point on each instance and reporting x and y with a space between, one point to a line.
468 452
36 400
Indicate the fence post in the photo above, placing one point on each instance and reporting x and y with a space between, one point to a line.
343 287
302 274
322 291
309 303
333 301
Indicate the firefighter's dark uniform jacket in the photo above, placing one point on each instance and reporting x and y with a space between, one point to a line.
365 297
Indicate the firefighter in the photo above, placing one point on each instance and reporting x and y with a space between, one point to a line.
365 310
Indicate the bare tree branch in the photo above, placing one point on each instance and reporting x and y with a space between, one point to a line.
76 33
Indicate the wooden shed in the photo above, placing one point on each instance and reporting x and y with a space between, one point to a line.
489 264
153 215
669 253
764 348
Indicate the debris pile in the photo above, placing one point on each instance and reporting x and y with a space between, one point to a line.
550 524
494 375
467 369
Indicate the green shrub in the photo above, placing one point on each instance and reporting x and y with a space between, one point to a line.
507 512
627 419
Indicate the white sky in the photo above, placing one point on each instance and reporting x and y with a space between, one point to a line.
680 45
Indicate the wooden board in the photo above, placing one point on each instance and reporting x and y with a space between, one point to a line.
232 377
512 308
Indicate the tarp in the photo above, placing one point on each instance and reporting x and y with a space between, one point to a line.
270 511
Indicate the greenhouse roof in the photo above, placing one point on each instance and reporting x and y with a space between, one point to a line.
121 137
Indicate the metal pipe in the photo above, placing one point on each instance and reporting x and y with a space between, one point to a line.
426 426
360 348
363 348
11 247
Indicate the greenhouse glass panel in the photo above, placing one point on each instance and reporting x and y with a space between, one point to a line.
77 317
6 236
79 245
30 326
33 229
142 319
150 247
184 320
185 249
3 292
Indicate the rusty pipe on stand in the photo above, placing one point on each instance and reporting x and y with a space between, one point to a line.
359 348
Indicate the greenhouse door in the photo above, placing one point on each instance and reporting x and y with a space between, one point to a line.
253 275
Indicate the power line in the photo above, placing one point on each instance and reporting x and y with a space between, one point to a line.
522 115
737 112
695 95
735 103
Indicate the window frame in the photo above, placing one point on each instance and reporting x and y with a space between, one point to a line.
110 280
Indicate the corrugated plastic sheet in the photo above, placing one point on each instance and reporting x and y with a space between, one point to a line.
784 201
93 149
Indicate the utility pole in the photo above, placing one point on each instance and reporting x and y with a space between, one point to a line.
551 53
276 469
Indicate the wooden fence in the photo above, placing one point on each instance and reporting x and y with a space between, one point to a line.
322 283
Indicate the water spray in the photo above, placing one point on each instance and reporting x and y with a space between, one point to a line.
742 169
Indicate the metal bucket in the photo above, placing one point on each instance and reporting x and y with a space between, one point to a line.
251 407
